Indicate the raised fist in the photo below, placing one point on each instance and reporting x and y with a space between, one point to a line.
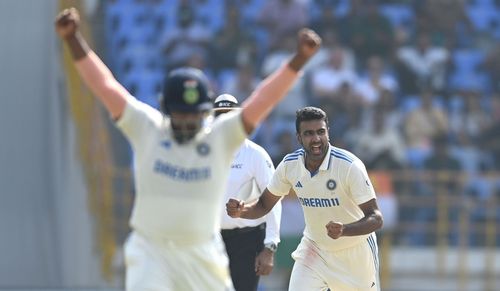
234 207
67 22
308 43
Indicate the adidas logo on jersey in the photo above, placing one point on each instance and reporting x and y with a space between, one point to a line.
298 185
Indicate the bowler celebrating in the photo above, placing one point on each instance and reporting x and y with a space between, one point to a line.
339 249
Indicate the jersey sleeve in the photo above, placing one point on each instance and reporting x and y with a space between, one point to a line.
360 186
229 128
135 120
263 172
279 185
273 222
263 168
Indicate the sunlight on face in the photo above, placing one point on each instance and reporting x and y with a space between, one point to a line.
314 138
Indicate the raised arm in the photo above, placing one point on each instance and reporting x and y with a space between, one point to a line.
260 103
92 70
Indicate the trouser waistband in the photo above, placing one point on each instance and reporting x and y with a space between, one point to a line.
242 230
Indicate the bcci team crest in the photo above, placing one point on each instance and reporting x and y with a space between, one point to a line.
203 149
331 184
191 94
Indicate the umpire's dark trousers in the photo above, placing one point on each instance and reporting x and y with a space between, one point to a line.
242 246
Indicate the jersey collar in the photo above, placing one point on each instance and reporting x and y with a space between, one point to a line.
325 165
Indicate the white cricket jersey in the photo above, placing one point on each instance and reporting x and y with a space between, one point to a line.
333 193
251 171
179 188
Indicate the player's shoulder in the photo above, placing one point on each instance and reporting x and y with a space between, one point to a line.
293 156
142 108
254 149
225 123
343 155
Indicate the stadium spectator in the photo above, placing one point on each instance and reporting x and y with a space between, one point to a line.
348 125
445 20
367 31
492 66
188 37
422 65
421 126
441 159
380 145
467 124
292 15
490 137
331 83
242 82
233 45
285 143
332 41
327 20
376 80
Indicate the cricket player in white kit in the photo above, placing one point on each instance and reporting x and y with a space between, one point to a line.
250 244
182 162
338 250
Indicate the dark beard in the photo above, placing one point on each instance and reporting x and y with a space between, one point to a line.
183 136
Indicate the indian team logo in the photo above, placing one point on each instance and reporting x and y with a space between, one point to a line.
331 184
191 94
203 149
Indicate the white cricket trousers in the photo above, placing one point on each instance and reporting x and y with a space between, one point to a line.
351 269
153 265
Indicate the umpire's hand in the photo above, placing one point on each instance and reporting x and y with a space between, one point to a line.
67 23
264 262
234 207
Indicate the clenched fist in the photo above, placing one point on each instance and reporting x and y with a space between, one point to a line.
67 23
308 43
234 207
335 229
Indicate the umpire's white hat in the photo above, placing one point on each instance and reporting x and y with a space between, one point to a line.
225 102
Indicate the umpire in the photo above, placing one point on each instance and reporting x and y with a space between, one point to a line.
250 244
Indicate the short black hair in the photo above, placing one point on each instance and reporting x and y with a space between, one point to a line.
309 113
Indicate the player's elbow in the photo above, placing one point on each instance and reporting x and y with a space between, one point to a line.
379 220
264 208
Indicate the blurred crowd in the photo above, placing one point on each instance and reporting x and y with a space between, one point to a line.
409 84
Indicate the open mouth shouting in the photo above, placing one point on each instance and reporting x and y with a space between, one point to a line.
317 149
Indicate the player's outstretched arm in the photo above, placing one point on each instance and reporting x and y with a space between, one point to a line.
92 70
236 208
260 103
